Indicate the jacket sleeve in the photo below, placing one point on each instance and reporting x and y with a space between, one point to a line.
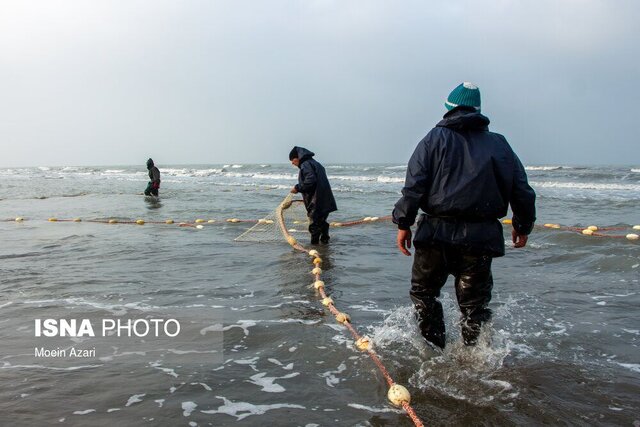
307 179
523 200
415 187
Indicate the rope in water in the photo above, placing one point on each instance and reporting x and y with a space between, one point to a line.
397 394
591 230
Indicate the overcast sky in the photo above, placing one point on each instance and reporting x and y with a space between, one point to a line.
190 82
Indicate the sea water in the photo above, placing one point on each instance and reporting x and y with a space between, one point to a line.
562 348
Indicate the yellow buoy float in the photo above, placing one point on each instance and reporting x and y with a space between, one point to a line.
343 318
508 221
592 228
318 284
169 221
636 227
632 236
398 395
53 219
291 240
199 221
19 219
77 220
317 261
313 252
316 270
113 221
327 301
587 232
140 221
363 343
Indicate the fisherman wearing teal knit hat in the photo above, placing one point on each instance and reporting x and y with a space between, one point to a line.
464 178
464 95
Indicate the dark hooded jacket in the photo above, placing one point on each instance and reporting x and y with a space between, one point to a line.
154 174
314 185
464 178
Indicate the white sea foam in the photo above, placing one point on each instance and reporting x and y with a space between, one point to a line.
251 361
167 371
390 179
205 386
330 377
635 170
242 324
585 185
375 410
85 412
546 168
135 399
268 384
188 408
367 178
635 367
287 367
242 410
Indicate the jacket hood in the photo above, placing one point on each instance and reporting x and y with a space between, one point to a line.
464 118
149 164
303 153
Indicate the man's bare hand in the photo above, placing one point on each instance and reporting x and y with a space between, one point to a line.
404 241
294 190
519 240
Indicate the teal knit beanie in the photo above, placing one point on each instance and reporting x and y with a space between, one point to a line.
466 94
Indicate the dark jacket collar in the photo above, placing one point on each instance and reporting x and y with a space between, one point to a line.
464 118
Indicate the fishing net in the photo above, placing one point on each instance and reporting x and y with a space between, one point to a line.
289 218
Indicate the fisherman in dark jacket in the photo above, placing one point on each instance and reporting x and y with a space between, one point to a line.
154 175
463 178
316 192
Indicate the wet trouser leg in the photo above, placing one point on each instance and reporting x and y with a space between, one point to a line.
149 189
324 231
428 276
473 291
319 229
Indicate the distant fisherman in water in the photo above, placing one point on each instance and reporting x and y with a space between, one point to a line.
154 176
316 192
464 178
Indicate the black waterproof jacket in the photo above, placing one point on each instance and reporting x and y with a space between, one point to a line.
314 186
464 178
154 174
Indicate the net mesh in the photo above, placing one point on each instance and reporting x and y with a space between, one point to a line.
289 218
